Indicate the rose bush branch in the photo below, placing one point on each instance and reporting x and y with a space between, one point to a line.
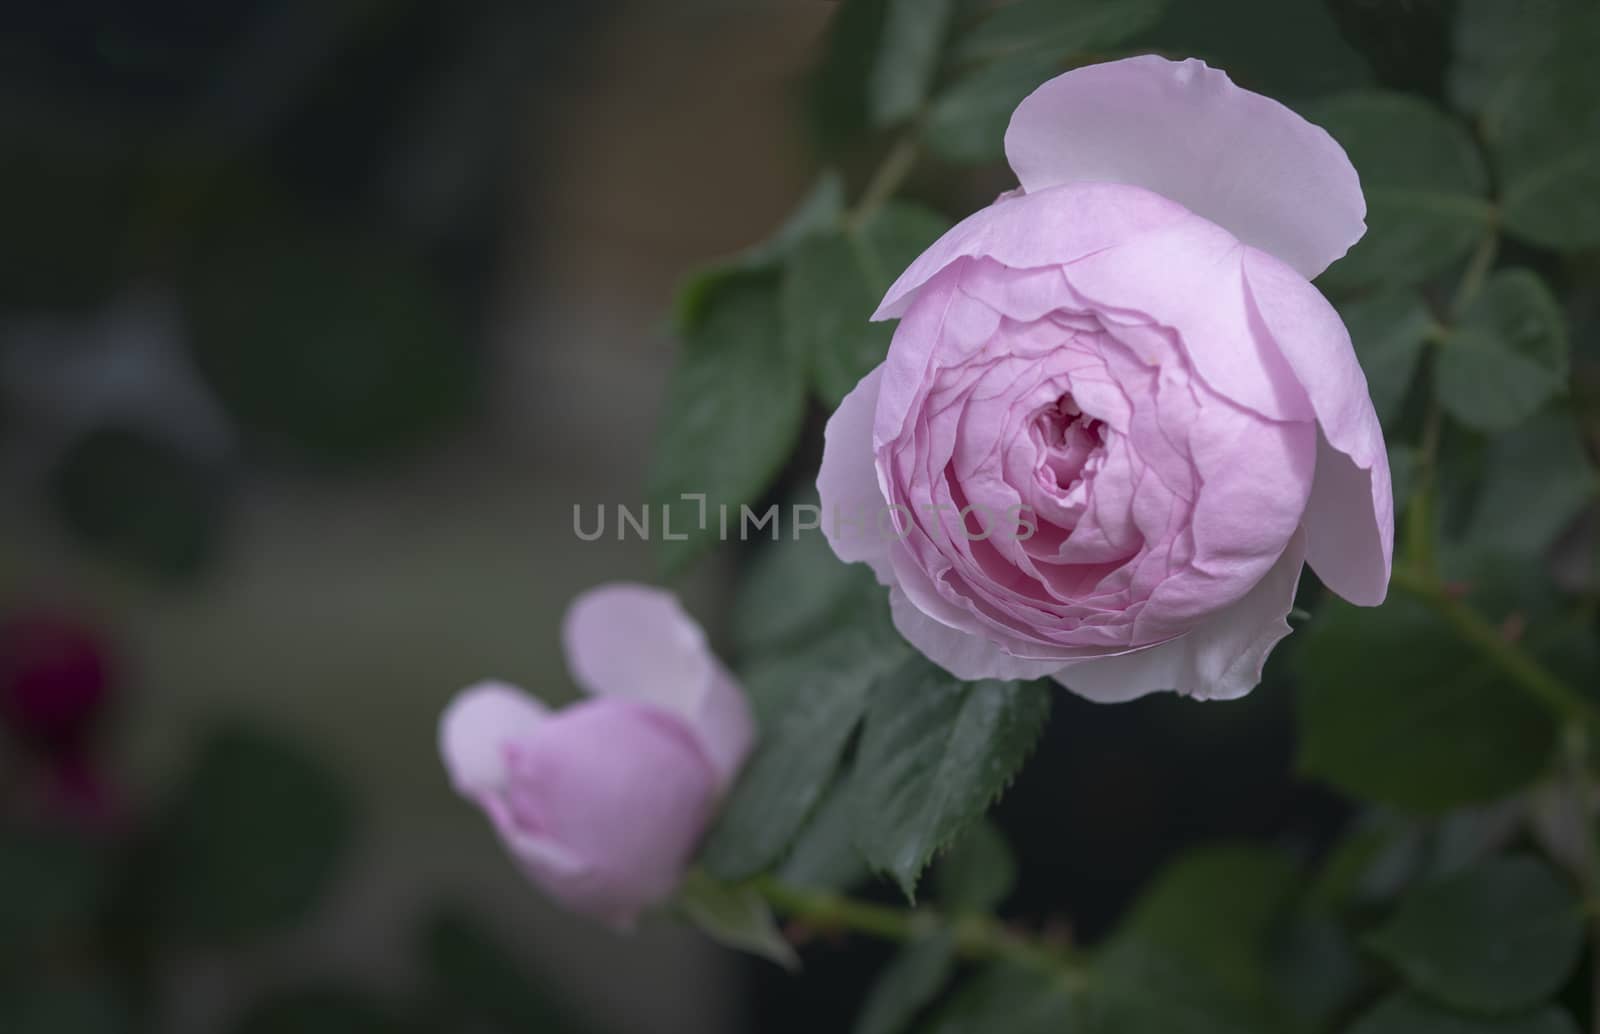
1514 662
975 936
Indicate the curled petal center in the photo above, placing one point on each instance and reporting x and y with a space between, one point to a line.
1071 448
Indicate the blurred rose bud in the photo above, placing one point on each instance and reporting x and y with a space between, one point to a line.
54 679
603 803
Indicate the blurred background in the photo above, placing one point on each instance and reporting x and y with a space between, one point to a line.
316 320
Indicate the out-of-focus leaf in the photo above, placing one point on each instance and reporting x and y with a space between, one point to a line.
1495 43
1130 990
1317 972
140 501
51 883
807 705
1425 185
817 212
1528 69
1407 1014
825 855
335 350
1288 49
251 841
906 987
1213 909
1061 27
1394 709
977 873
794 589
838 88
476 976
734 409
833 284
1498 937
1537 479
935 753
1389 331
319 1010
967 120
908 58
1507 355
735 917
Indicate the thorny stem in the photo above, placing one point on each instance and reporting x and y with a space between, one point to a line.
974 936
890 174
1512 660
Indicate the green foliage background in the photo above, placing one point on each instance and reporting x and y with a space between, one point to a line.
1457 721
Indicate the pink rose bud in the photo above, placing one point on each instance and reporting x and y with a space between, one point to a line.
54 678
603 803
1116 418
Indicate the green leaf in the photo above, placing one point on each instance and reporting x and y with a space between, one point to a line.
1557 205
1497 43
318 1010
906 987
833 284
1318 973
818 212
1528 69
1129 991
1407 1014
837 90
1061 27
1013 1000
1537 479
735 405
1392 709
824 855
935 754
795 589
1389 331
735 917
1213 909
251 842
967 121
52 881
1501 936
478 977
1289 49
908 58
1425 185
807 705
1507 356
977 873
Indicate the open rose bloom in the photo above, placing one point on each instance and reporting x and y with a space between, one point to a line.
1116 418
603 802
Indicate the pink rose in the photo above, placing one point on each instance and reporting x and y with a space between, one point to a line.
1116 417
603 803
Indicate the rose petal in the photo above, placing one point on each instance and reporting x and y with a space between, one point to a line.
636 641
847 483
474 731
1350 516
965 655
1037 229
1185 131
604 804
1220 659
